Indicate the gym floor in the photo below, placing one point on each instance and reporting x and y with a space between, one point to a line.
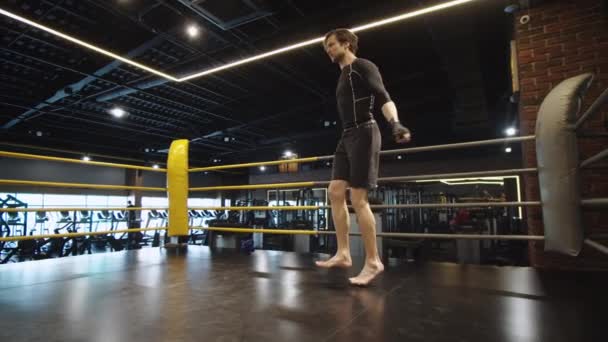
157 294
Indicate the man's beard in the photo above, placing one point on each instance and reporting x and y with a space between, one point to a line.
338 58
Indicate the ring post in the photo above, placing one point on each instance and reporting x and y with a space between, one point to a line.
177 190
558 171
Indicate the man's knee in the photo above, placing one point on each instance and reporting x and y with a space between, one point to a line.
359 199
337 191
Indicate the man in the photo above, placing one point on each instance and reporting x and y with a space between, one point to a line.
356 159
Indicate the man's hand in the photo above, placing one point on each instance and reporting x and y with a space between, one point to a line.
400 133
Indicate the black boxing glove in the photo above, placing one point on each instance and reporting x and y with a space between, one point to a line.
400 133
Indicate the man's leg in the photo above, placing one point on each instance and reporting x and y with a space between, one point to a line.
339 210
367 223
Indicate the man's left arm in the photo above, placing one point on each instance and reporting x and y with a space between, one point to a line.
371 76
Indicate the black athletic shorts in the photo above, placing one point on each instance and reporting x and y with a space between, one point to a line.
357 156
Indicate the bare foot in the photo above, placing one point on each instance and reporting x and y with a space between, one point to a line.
368 273
338 260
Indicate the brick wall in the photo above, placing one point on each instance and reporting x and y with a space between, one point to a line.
561 40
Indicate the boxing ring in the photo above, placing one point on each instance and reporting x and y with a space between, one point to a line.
183 291
558 172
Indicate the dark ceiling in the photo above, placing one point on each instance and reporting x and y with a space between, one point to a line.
447 72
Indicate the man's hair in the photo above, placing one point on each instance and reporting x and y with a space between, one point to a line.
344 36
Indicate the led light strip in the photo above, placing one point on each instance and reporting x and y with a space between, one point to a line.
87 45
239 62
472 182
251 59
498 179
481 180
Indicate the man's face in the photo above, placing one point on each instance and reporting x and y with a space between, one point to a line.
334 49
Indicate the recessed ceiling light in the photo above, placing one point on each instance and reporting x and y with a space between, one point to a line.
192 31
511 131
117 112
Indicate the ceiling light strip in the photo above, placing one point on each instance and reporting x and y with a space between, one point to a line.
242 61
410 15
254 58
320 39
87 45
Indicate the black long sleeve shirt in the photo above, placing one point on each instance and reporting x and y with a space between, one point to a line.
360 87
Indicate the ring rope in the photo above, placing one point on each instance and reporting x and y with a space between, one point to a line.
378 234
70 235
78 185
77 161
